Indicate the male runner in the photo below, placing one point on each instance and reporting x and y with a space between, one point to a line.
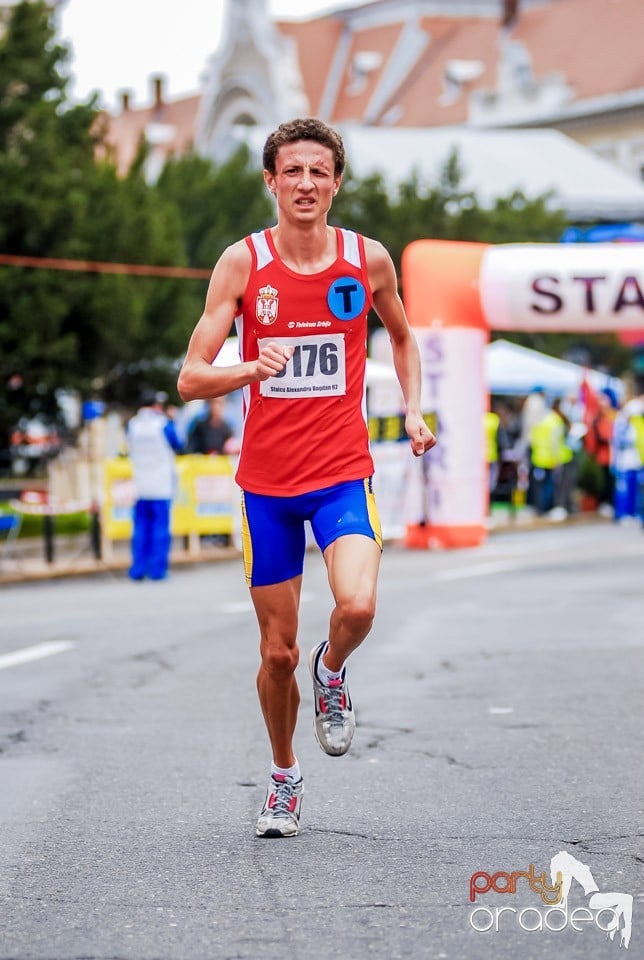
300 293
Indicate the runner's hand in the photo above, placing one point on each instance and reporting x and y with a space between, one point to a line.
272 358
420 436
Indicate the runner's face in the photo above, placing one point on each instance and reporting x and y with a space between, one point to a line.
304 180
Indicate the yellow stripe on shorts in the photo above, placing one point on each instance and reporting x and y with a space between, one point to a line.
372 510
247 543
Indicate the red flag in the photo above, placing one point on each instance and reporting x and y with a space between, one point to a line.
590 400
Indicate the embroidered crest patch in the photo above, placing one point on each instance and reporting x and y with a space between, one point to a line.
266 308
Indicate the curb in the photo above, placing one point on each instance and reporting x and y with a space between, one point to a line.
38 570
29 570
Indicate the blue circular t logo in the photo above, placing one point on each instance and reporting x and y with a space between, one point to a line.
346 298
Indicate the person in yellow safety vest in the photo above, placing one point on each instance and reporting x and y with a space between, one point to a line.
491 433
565 474
637 424
625 462
638 427
546 438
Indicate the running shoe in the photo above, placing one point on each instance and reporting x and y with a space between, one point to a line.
334 721
280 816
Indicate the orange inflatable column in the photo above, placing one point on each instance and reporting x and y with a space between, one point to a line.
441 292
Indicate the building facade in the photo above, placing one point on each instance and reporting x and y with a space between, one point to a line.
573 66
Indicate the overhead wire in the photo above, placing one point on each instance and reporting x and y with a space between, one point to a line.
103 266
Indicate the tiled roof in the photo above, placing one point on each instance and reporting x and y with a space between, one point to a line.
358 86
170 127
422 97
594 44
317 41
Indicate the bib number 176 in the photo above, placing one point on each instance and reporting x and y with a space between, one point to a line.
316 368
308 358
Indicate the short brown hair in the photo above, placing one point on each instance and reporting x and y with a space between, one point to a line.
307 128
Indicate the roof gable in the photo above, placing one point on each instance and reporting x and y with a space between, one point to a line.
169 128
316 43
596 43
594 46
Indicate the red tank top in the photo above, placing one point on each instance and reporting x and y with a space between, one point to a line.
306 429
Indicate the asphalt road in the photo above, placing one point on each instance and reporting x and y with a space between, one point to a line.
500 721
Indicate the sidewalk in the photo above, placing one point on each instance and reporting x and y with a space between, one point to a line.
24 560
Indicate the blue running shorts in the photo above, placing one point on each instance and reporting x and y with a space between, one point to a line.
273 535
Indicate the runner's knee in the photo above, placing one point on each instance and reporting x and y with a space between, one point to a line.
357 613
279 659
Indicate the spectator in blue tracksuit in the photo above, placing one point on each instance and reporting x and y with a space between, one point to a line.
152 443
626 462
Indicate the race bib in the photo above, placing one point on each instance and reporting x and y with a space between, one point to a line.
316 369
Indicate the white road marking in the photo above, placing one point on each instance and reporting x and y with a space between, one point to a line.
37 652
535 559
239 606
477 570
246 606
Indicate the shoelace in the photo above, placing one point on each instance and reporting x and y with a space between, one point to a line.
333 702
283 793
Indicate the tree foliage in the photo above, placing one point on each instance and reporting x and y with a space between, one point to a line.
58 200
216 206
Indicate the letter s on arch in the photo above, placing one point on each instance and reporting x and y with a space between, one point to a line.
538 288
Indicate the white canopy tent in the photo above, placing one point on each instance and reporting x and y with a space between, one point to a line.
513 370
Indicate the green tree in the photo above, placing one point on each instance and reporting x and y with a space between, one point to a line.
31 308
60 329
217 203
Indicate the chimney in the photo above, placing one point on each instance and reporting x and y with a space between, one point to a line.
157 82
125 101
510 13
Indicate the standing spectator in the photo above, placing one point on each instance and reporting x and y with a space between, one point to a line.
638 427
566 470
491 434
510 455
598 444
626 461
210 434
545 449
152 443
533 410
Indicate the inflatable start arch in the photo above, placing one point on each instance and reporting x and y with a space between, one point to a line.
455 293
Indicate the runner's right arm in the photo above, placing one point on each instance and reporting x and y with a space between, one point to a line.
198 379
